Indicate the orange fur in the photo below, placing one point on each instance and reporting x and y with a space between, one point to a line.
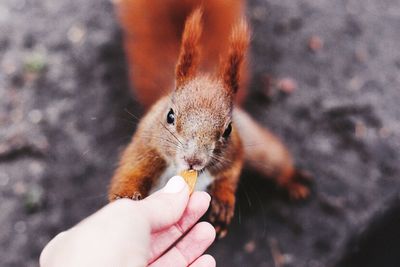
232 62
152 36
189 55
136 174
265 153
193 122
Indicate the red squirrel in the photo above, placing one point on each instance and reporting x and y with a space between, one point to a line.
188 67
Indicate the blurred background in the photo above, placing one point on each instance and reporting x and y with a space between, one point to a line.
325 78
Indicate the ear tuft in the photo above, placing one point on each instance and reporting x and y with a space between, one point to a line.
231 63
190 52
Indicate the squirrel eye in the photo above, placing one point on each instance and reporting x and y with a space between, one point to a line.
228 131
171 116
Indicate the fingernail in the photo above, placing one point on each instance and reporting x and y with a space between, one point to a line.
174 185
208 196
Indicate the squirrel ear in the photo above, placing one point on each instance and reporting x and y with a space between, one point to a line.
231 63
189 54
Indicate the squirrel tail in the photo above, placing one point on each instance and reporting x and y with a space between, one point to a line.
152 34
263 151
266 154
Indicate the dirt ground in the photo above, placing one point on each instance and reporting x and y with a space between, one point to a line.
325 79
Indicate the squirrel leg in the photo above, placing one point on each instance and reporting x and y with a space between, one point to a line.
266 154
136 174
223 192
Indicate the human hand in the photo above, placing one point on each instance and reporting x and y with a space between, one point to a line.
139 233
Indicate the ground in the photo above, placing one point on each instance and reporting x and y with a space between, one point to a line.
325 78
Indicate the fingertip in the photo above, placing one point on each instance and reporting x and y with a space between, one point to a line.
175 185
203 196
45 256
204 261
209 260
206 195
206 231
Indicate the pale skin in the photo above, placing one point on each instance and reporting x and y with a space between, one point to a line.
139 233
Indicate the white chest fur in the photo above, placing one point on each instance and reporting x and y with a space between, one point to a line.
203 181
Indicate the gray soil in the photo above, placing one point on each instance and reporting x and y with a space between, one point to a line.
63 121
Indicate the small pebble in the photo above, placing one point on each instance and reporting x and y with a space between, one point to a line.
36 168
360 129
34 64
361 55
76 34
250 246
384 132
287 85
33 199
35 116
19 188
355 83
315 43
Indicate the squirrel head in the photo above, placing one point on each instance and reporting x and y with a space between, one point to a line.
199 115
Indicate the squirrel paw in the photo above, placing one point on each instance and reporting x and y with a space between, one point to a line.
220 215
135 196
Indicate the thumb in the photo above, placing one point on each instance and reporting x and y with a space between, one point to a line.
166 206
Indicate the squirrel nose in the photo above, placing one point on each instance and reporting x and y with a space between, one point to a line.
193 161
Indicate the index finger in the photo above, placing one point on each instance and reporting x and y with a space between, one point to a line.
162 240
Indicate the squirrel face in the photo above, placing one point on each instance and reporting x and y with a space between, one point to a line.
198 121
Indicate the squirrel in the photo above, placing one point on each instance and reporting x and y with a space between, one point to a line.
187 62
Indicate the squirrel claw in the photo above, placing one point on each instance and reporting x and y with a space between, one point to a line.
220 216
220 232
299 187
135 196
298 191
